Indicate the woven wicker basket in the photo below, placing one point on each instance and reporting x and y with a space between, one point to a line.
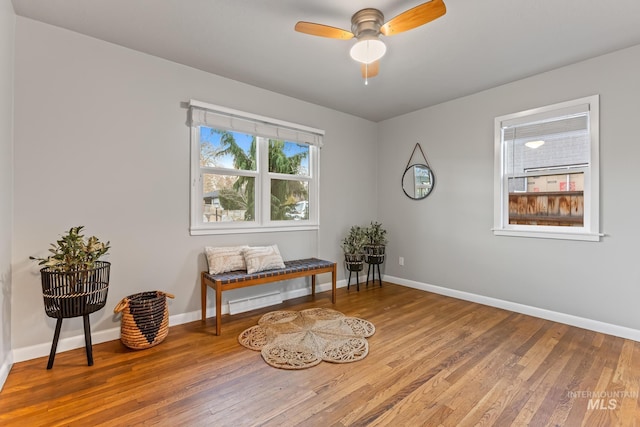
145 319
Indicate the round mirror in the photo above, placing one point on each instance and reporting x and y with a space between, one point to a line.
418 181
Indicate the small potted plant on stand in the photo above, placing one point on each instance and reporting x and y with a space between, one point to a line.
374 249
74 282
353 246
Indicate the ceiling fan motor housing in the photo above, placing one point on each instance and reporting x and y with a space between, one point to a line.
366 23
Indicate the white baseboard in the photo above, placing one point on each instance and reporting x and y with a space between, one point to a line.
71 343
568 319
5 368
64 344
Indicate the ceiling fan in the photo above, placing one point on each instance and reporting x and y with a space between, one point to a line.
368 24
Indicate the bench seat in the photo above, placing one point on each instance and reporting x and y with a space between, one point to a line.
240 279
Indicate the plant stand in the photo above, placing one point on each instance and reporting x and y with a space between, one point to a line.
372 269
74 294
374 257
355 264
87 341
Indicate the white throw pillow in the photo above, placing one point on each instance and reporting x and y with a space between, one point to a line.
261 258
225 259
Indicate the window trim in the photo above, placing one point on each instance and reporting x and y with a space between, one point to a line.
591 229
263 223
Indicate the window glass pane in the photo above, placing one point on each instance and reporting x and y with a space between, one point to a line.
228 198
551 144
288 157
550 200
289 200
227 149
539 158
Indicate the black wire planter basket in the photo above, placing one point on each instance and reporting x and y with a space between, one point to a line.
70 294
374 254
354 264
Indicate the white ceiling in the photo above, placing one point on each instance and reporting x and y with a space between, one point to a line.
476 45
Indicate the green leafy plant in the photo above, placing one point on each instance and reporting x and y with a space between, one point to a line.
376 235
354 242
72 252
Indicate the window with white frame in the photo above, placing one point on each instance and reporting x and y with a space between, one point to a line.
251 173
546 181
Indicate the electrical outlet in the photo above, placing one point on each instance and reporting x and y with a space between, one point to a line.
401 260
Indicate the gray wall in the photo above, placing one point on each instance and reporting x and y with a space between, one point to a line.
7 31
446 239
101 141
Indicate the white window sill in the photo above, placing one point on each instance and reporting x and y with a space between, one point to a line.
201 231
563 235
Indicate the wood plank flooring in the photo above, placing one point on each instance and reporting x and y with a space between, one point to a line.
433 361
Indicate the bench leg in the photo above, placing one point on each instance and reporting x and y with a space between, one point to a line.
333 285
218 309
313 284
203 297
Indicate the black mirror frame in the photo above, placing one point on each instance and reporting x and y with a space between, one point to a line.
432 180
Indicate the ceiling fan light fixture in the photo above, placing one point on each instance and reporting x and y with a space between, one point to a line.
368 50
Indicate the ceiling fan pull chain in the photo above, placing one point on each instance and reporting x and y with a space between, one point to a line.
366 68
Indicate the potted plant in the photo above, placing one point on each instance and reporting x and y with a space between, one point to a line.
376 242
74 282
374 249
353 247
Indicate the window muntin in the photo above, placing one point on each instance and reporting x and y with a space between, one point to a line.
547 172
244 181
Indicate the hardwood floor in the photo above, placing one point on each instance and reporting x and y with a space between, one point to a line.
433 361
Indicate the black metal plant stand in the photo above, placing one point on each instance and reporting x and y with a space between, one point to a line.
87 341
374 257
372 269
355 264
357 279
74 294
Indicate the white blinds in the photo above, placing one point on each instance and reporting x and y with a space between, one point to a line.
204 114
545 116
560 126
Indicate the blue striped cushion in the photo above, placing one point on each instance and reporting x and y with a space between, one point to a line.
289 267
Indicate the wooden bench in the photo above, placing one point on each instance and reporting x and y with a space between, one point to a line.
240 279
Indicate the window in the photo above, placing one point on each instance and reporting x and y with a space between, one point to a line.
547 172
250 173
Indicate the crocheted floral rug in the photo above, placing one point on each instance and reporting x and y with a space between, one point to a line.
302 339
